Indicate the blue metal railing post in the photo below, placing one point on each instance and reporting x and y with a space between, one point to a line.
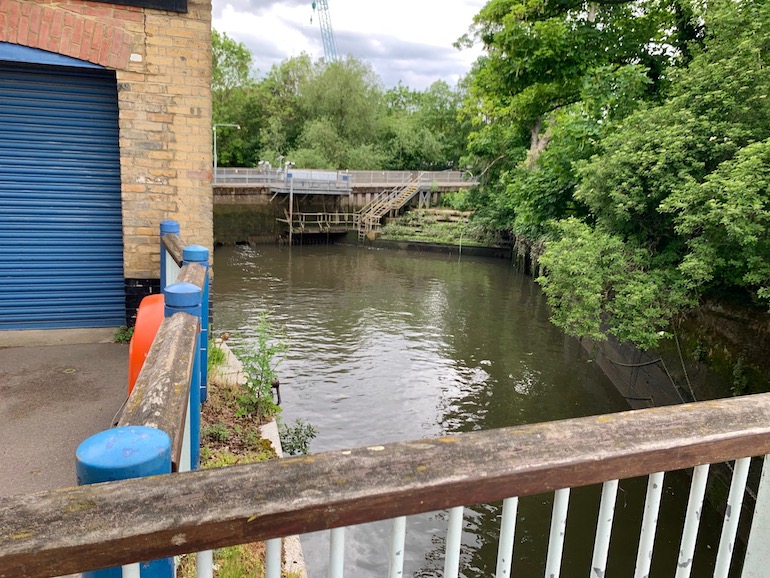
186 297
166 227
200 254
123 453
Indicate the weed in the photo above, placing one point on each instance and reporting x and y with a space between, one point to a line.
216 356
740 378
234 562
295 439
217 432
224 458
123 334
699 352
259 366
425 226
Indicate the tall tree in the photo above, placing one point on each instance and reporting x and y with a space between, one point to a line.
539 54
282 92
677 193
349 95
232 86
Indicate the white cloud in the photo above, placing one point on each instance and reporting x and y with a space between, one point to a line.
406 40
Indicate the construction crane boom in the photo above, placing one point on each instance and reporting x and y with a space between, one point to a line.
327 34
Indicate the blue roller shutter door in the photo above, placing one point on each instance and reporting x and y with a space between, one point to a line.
61 240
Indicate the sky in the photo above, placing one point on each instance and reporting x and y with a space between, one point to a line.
404 40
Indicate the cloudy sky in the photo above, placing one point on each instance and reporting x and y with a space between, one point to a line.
406 40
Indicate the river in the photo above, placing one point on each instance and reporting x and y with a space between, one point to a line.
386 346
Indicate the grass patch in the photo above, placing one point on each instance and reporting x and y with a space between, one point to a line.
216 356
123 334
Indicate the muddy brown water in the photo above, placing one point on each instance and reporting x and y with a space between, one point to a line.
387 346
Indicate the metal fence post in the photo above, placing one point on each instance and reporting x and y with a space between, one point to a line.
200 254
166 227
186 297
120 454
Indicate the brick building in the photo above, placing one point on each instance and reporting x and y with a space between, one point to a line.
105 130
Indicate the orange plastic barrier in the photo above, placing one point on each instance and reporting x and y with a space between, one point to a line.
149 316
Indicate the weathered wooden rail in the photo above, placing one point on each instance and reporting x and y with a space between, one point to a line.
54 533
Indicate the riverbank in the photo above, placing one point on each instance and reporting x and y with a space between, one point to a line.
447 248
226 376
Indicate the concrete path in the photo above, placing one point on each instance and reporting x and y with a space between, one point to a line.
51 399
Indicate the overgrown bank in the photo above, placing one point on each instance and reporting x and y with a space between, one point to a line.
640 167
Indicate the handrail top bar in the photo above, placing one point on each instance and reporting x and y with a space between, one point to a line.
160 394
174 246
89 527
193 273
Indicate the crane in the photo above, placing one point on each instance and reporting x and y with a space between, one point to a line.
327 34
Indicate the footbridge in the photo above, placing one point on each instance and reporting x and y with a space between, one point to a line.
367 219
318 182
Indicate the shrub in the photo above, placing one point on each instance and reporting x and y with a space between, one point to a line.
295 439
256 400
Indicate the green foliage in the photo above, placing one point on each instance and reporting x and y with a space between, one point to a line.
329 115
595 281
296 438
541 55
231 62
725 220
686 181
217 432
259 363
123 334
232 88
216 356
740 379
346 93
459 200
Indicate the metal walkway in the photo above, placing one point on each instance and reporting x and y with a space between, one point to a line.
367 220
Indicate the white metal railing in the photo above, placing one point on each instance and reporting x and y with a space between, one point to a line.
755 562
320 182
335 180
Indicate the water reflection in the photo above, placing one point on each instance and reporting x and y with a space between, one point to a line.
389 346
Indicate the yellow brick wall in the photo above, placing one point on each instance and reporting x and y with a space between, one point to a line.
165 128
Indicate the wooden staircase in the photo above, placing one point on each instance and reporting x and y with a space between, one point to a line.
370 216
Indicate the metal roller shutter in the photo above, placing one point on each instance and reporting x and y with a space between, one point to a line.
61 240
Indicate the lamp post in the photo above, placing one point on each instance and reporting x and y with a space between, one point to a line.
214 129
286 168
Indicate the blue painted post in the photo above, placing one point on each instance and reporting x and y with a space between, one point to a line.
166 227
186 297
200 254
120 454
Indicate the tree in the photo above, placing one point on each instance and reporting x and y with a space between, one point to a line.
680 188
348 94
282 91
232 88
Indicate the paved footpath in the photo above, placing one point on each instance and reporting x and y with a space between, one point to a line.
51 399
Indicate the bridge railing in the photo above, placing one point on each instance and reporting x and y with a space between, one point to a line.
88 527
335 180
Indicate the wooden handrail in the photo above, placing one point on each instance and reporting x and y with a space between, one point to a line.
159 398
104 525
174 246
193 273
